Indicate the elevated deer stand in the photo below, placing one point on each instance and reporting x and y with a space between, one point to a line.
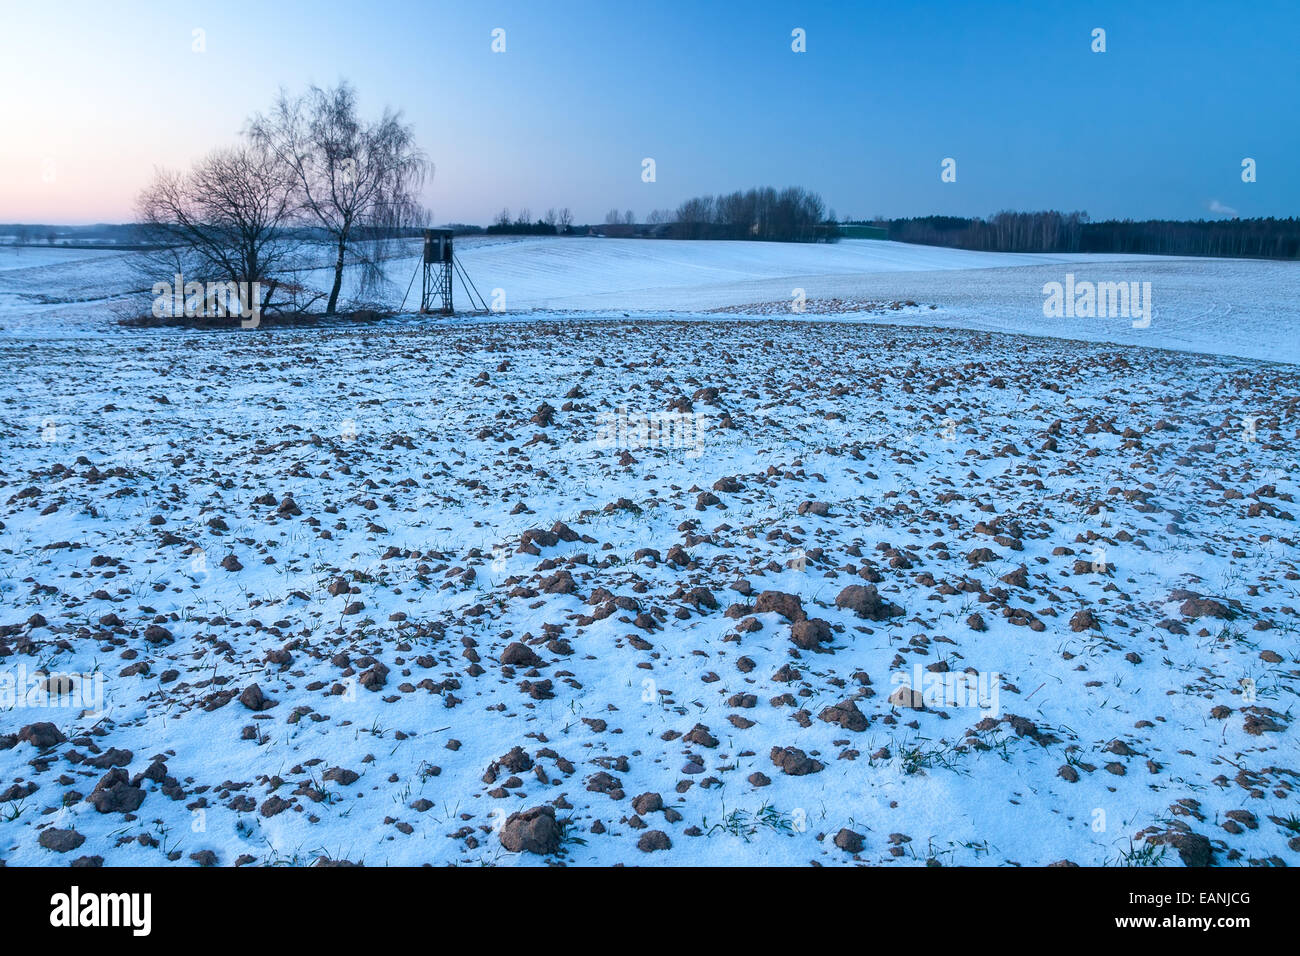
435 286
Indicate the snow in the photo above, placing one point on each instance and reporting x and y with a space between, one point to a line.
27 257
1244 308
1230 307
135 460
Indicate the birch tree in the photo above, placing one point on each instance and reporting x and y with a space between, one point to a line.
356 180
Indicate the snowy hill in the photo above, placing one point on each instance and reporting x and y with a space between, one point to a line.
1244 308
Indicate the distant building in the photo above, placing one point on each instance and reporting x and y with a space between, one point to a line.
863 232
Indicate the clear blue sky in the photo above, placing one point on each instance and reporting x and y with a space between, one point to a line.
93 95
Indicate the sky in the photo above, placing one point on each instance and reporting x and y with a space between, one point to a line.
94 96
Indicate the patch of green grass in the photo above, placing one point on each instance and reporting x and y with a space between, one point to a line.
1148 854
916 758
745 824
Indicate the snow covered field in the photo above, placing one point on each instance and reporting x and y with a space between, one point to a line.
1235 307
661 589
1239 307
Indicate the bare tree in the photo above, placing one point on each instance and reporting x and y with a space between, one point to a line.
612 217
694 217
791 215
566 219
551 217
354 179
223 221
503 217
629 217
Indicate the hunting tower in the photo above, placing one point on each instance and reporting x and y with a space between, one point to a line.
435 288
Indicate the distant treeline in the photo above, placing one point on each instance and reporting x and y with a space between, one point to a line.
39 234
1074 232
795 215
135 236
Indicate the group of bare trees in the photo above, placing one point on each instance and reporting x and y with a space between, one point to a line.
222 221
555 222
787 215
793 214
311 167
